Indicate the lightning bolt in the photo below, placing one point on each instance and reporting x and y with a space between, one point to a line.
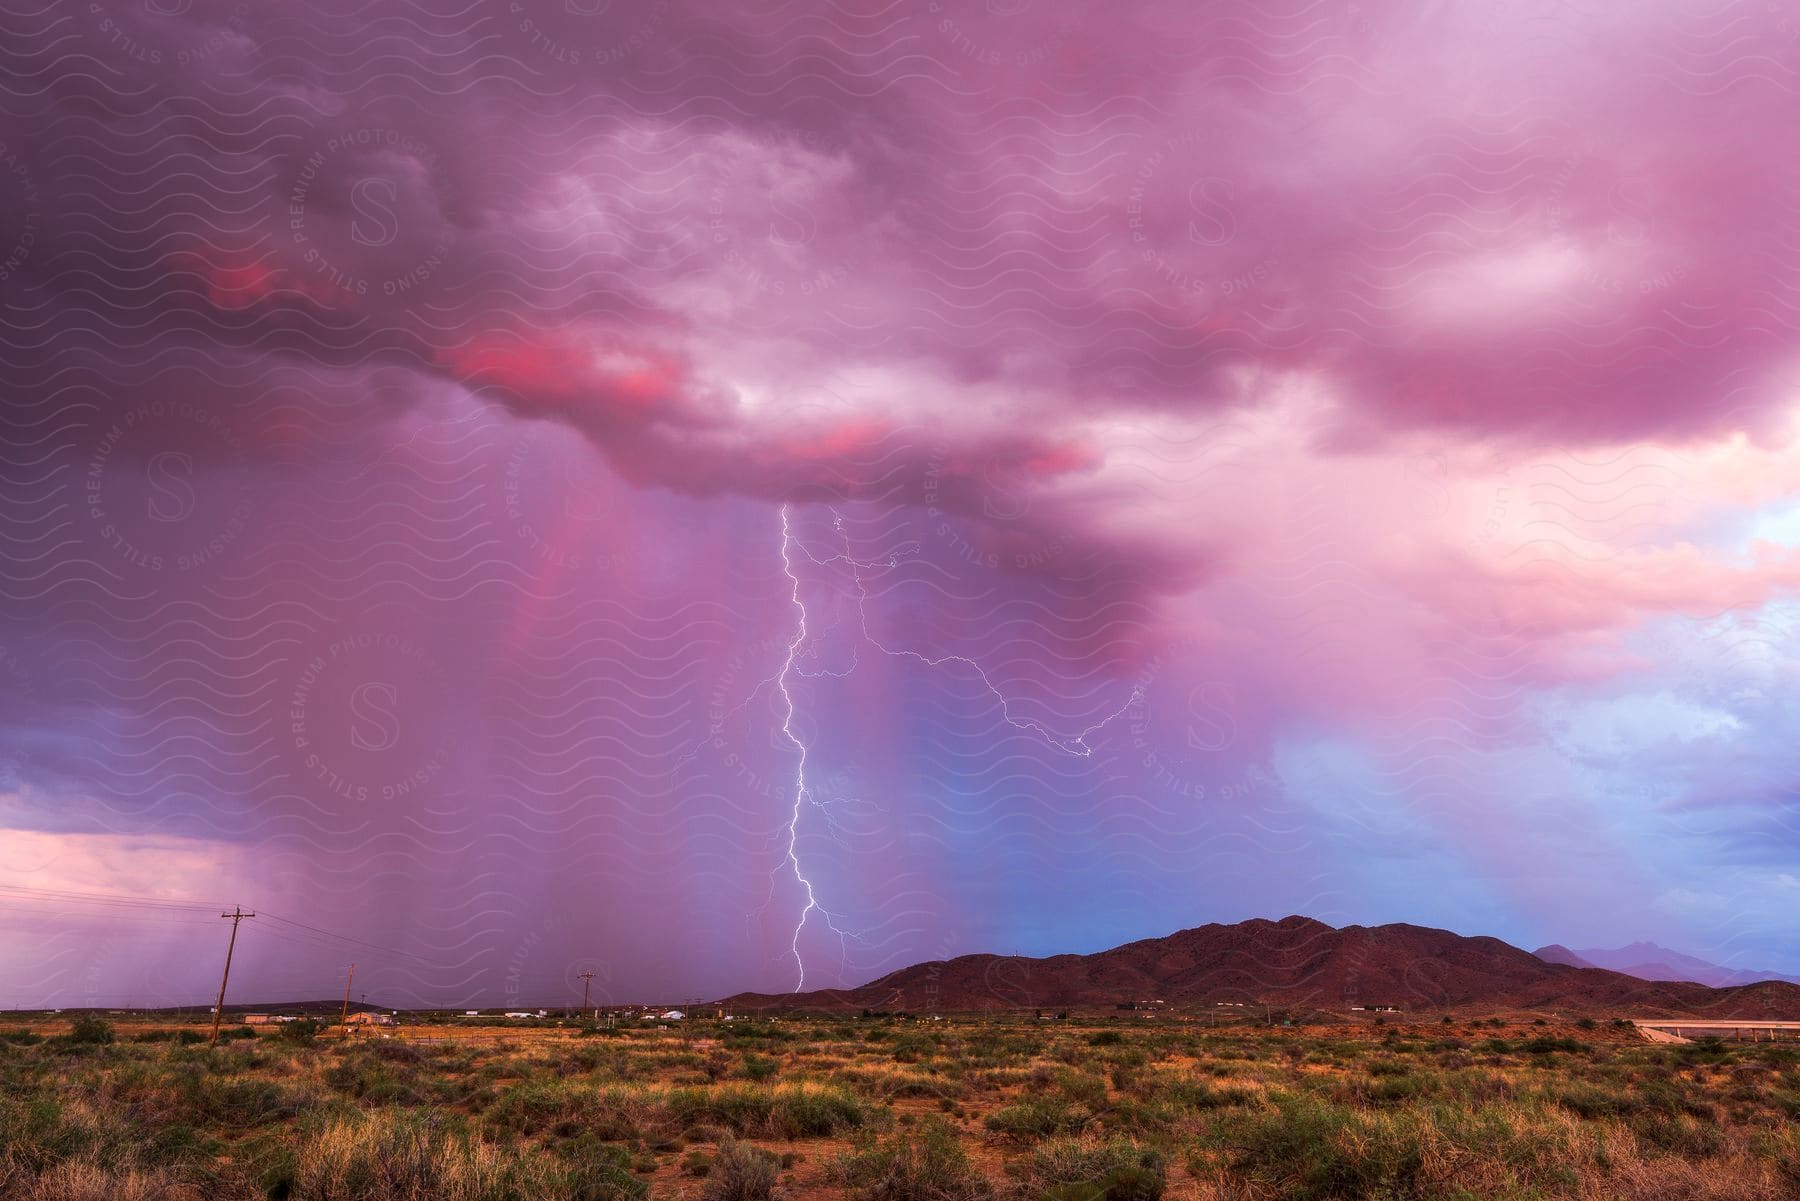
1077 746
787 728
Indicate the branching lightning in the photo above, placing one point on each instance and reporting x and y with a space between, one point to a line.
787 728
1077 746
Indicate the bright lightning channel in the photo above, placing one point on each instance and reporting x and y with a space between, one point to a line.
1077 746
787 728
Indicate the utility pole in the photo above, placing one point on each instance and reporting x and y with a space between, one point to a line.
236 915
345 1016
586 978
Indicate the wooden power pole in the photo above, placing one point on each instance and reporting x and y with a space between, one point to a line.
345 1016
586 978
236 915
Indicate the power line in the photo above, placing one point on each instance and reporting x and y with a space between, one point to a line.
27 893
345 937
79 905
72 897
110 917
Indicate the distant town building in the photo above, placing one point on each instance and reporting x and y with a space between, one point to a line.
371 1019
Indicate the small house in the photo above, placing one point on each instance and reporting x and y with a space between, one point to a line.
371 1019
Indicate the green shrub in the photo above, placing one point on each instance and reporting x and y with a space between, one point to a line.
1092 1170
1677 1135
1595 1103
389 1155
1309 1149
1668 1096
39 1132
742 1110
600 1171
90 1029
928 1164
1198 1094
1082 1088
532 1107
1396 1090
238 1101
740 1172
389 1051
814 1112
1036 1117
792 1111
366 1080
1708 1050
891 1085
301 1032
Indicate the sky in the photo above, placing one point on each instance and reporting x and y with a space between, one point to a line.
753 495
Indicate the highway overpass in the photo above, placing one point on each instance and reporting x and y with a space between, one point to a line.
1683 1030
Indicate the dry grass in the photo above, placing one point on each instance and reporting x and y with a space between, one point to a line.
81 1180
904 1111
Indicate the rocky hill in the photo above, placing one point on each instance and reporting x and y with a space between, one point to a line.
1294 962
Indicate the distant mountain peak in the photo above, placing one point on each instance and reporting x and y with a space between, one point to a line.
1648 961
1645 949
1295 962
1557 953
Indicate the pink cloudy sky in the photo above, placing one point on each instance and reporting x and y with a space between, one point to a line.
735 494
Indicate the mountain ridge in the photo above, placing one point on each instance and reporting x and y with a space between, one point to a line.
1295 961
1648 961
